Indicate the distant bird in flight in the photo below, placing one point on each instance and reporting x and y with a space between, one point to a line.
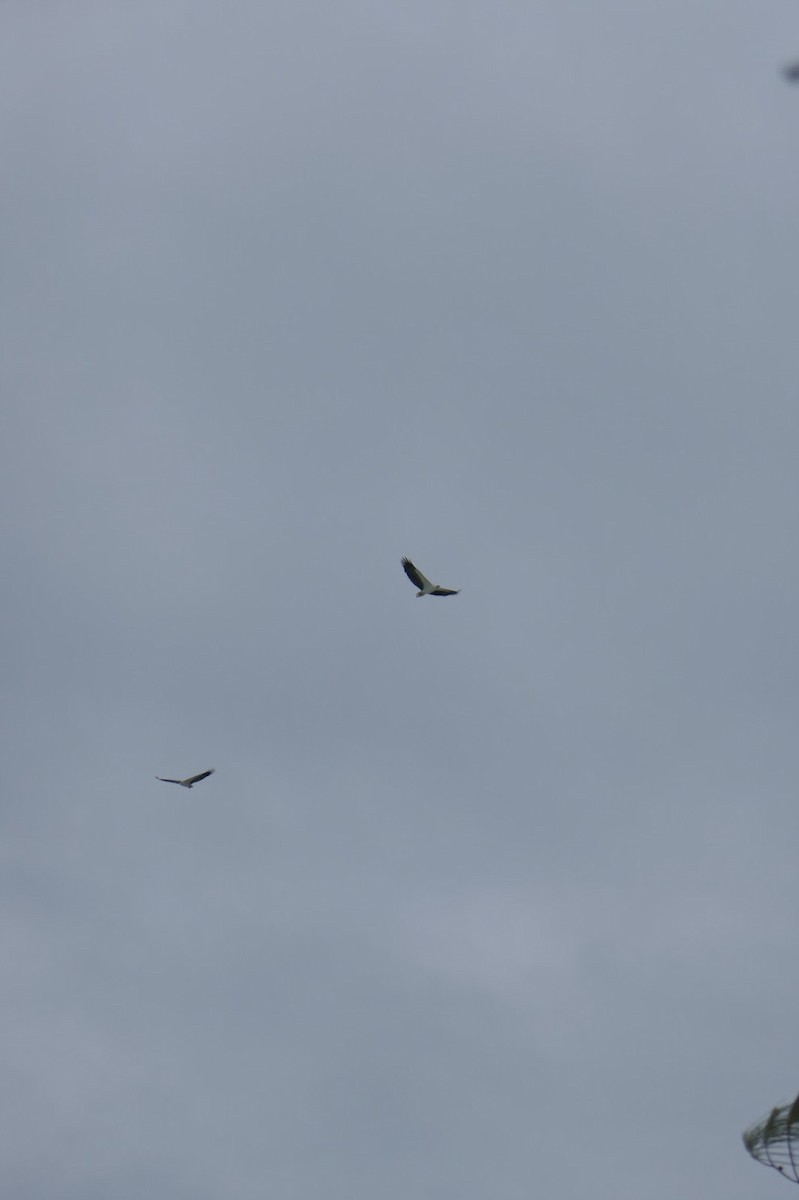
192 779
426 588
791 72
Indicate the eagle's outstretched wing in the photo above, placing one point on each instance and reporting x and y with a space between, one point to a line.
415 575
162 780
196 778
439 591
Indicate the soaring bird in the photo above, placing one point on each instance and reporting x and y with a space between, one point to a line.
423 583
192 779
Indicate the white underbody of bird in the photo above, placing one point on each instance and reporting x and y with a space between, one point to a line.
188 782
426 588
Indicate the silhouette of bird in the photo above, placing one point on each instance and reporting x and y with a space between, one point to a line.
426 588
190 781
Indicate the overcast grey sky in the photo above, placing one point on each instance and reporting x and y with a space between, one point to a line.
492 896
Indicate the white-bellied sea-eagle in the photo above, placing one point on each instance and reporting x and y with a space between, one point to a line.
192 779
426 588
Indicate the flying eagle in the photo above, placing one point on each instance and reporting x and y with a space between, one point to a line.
192 779
426 588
